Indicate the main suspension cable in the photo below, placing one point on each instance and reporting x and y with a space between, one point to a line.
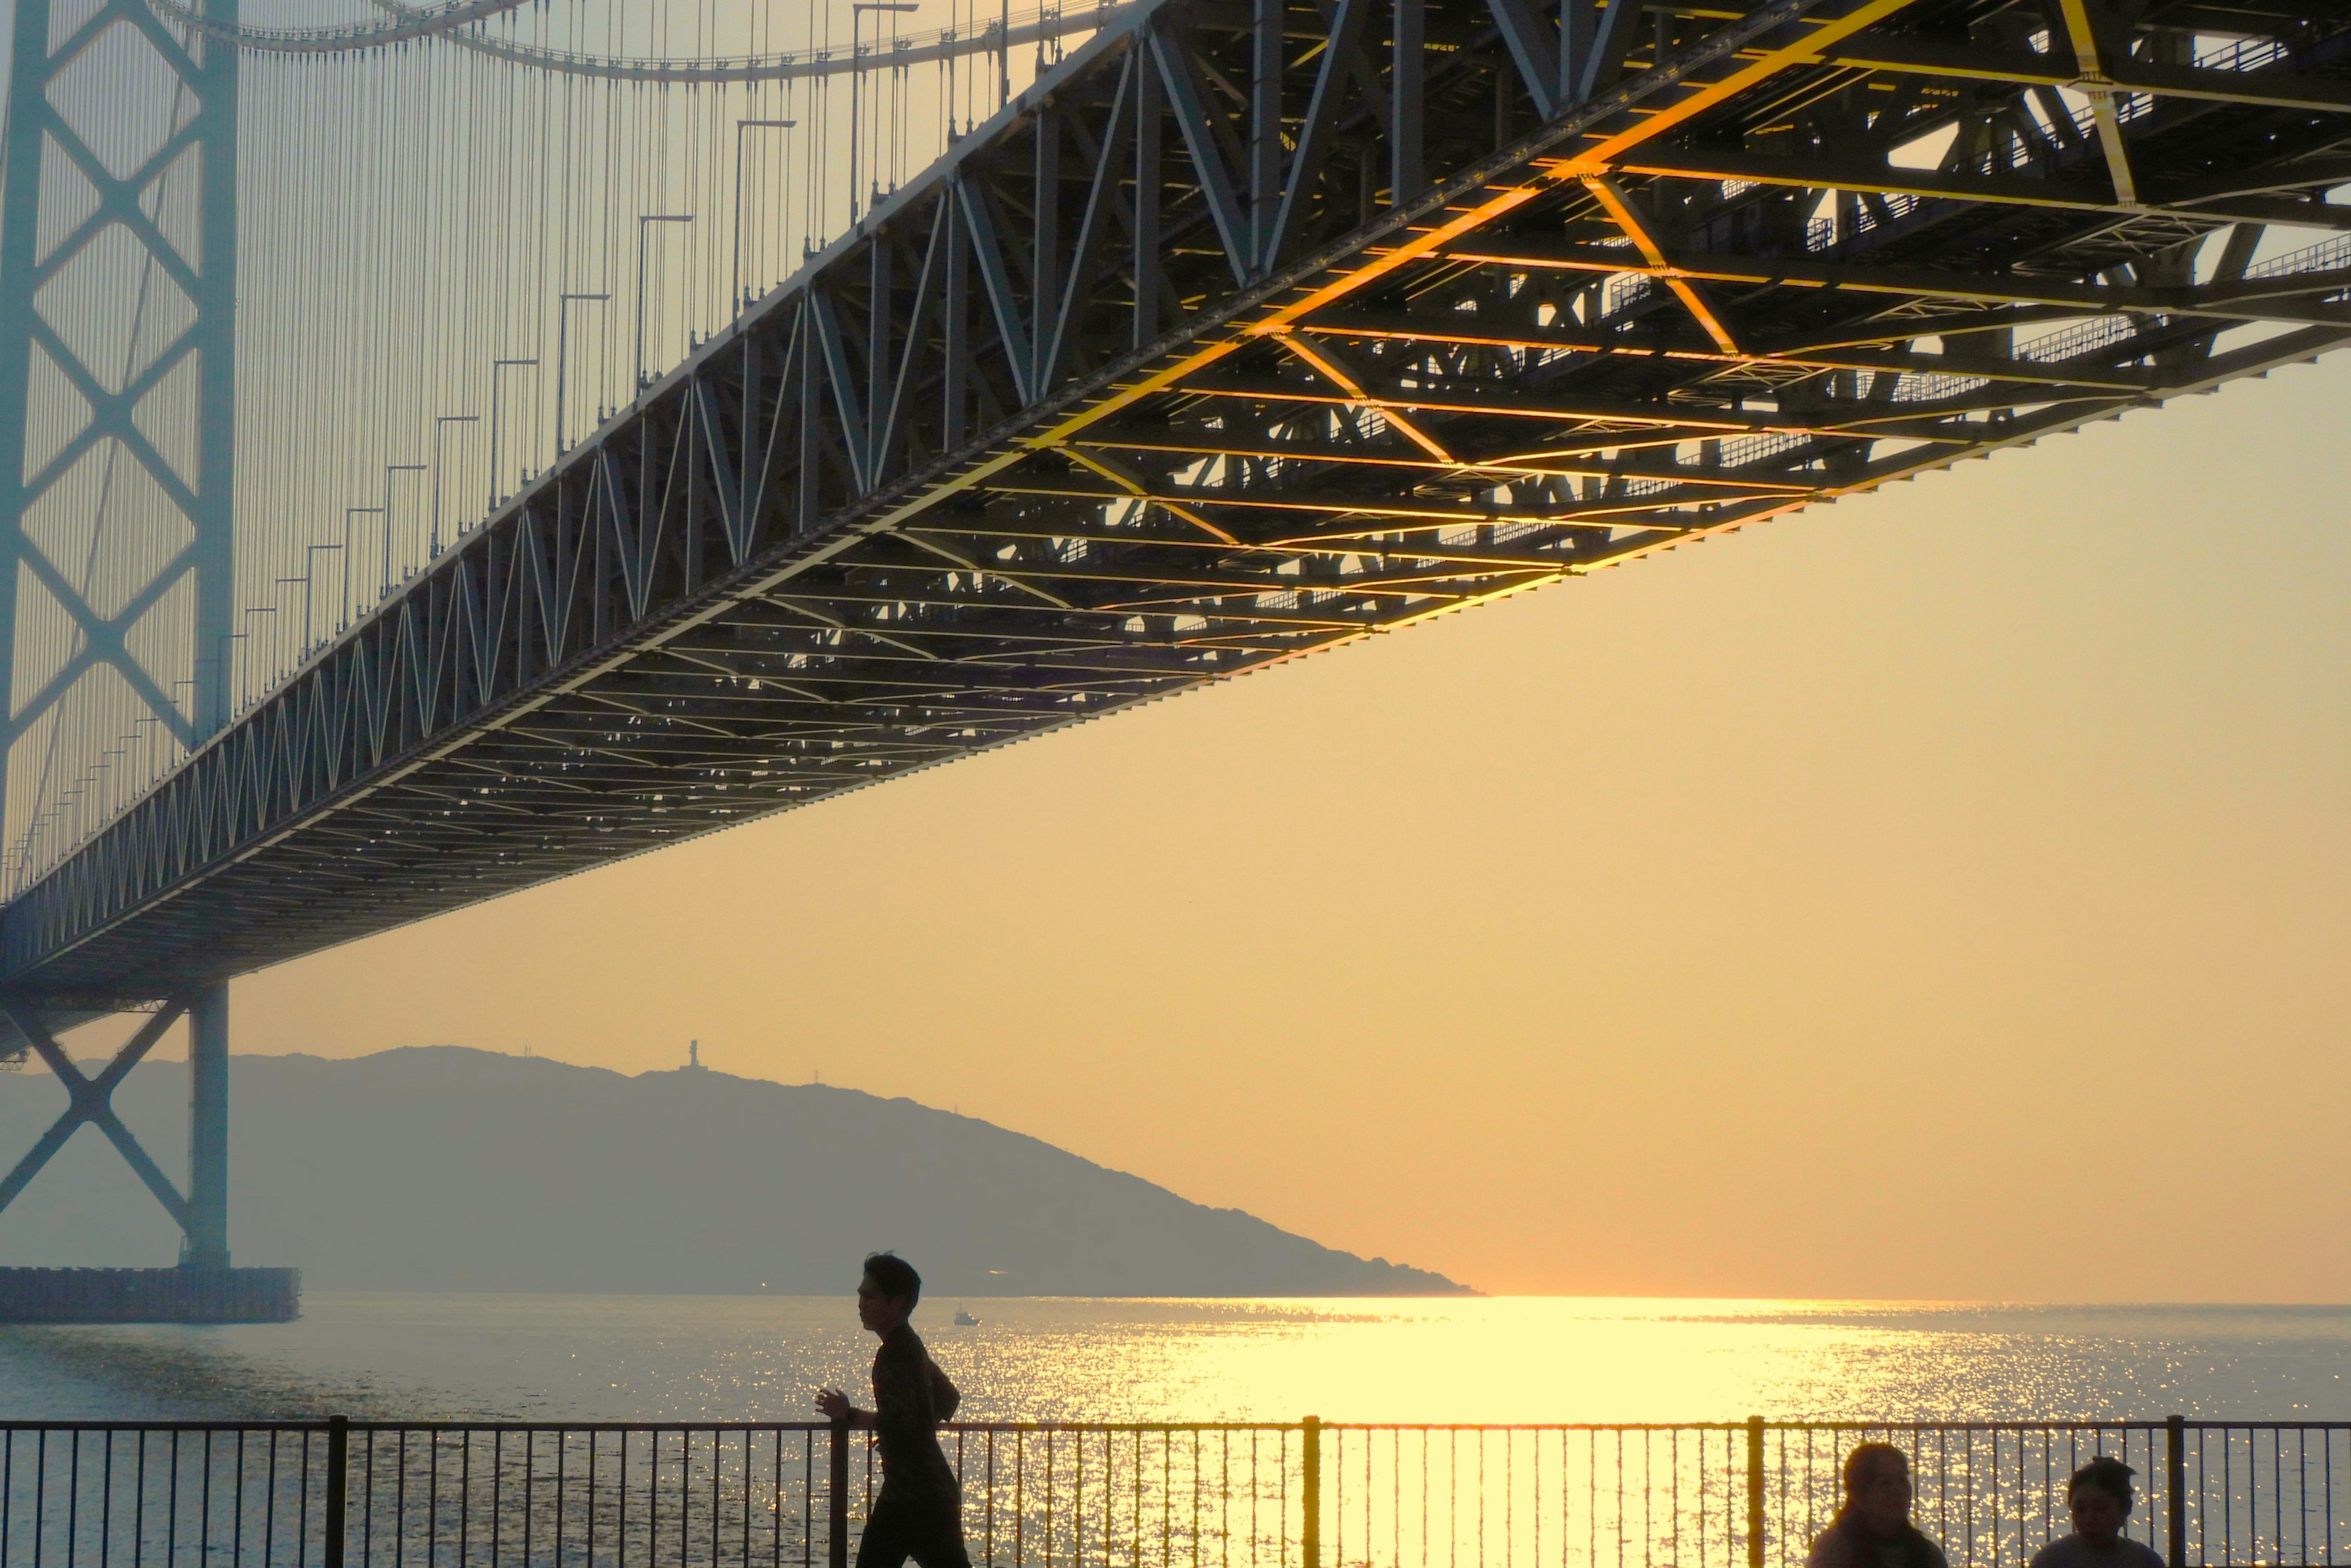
409 24
457 23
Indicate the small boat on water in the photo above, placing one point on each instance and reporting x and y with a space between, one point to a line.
966 1321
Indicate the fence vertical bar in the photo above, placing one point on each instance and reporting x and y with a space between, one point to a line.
2175 1491
1310 1508
837 1547
1755 1491
338 1464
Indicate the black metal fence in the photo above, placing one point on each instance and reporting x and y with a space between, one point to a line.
1310 1494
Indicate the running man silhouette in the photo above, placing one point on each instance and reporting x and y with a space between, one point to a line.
918 1513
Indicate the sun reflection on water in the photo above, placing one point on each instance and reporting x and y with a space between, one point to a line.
1536 1359
1485 1360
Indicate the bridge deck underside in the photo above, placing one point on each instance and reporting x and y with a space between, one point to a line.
1256 328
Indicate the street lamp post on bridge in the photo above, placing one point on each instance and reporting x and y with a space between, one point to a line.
1004 55
439 420
344 619
643 219
562 330
308 561
388 470
735 294
229 698
244 686
495 366
149 743
856 82
310 635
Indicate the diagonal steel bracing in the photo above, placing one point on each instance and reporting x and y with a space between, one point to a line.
1258 327
92 1103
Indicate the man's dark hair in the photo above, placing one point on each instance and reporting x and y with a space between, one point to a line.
2107 1474
896 1275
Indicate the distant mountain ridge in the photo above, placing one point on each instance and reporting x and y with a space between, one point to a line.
439 1168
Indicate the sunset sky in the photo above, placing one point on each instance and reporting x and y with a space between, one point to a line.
1947 893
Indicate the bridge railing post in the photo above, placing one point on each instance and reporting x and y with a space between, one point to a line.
2175 1491
837 1545
1755 1491
339 1466
1310 1509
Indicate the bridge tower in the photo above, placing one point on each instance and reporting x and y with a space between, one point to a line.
117 417
118 384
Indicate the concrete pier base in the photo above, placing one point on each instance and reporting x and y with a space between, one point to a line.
150 1295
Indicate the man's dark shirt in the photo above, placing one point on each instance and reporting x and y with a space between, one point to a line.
1849 1545
911 1398
2073 1551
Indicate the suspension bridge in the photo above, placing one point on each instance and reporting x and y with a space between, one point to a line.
444 448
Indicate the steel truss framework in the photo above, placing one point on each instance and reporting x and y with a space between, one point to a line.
1254 328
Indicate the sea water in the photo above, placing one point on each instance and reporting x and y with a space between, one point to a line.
1525 1359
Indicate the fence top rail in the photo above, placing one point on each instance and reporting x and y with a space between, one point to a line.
370 1427
1536 1426
2086 1424
1860 1423
1852 1424
320 1425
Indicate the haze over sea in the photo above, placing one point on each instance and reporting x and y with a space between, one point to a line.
1527 1359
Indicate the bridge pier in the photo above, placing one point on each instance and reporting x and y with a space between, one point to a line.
204 1288
206 1246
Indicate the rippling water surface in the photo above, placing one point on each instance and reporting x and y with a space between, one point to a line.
1496 1360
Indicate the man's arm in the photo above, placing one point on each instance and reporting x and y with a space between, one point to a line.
837 1407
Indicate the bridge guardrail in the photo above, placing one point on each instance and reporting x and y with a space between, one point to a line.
1751 1494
